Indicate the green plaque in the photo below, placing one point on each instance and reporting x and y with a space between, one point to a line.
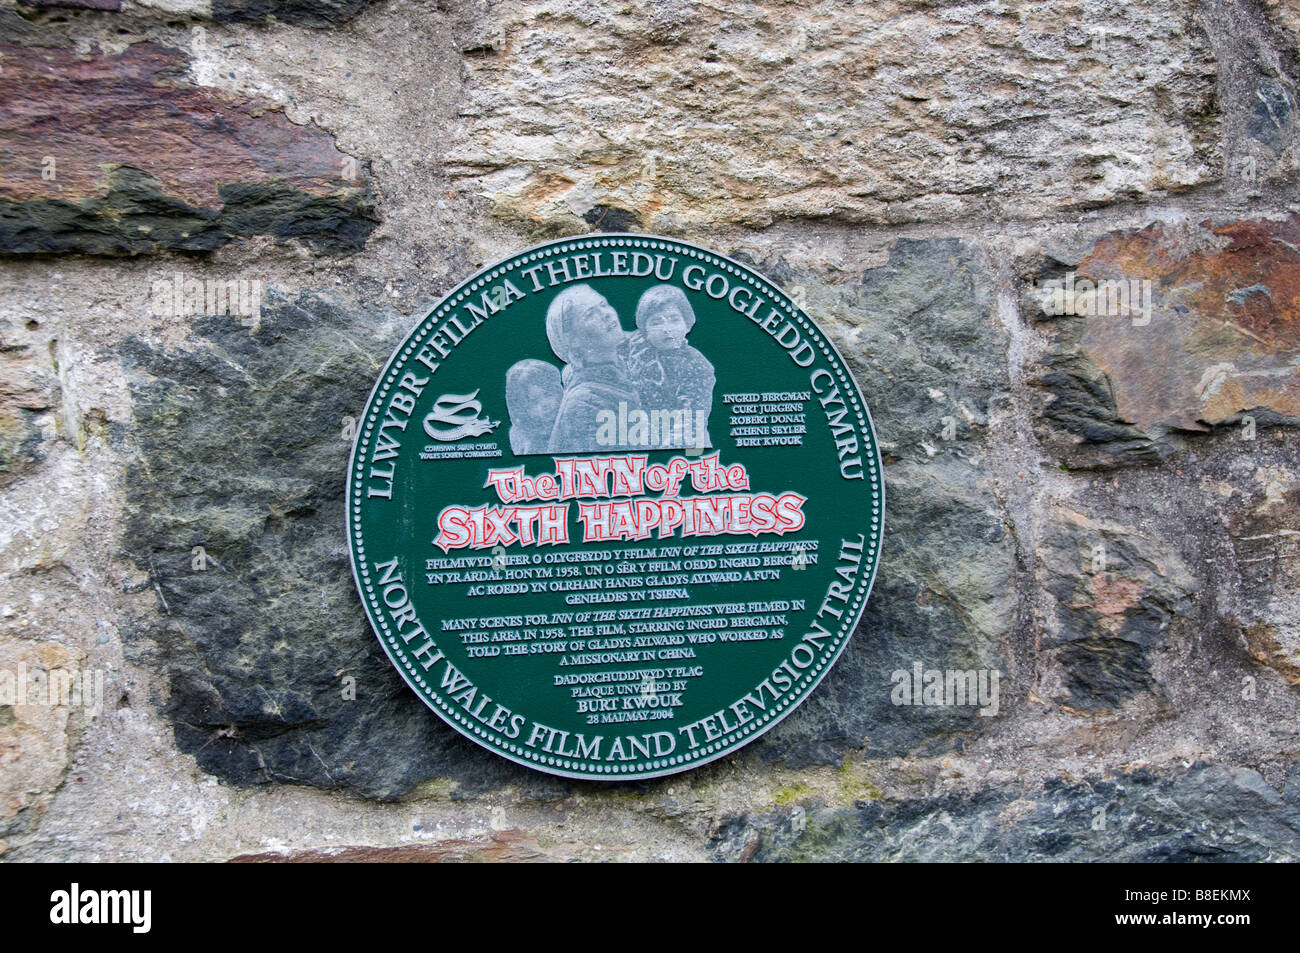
614 507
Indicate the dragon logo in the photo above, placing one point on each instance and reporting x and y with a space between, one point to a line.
459 413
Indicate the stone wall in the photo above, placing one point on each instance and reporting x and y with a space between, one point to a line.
1096 497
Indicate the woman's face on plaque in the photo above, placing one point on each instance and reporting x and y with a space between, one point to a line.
597 330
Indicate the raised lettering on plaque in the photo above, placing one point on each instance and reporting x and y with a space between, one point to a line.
614 507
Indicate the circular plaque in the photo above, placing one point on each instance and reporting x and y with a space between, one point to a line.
614 507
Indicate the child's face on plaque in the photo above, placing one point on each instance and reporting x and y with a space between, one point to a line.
542 401
666 328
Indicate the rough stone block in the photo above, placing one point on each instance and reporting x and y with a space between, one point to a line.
119 155
691 115
1172 330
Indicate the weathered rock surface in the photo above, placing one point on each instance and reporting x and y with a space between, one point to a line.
1115 596
27 394
1170 330
34 738
241 472
689 116
925 346
1202 814
1265 533
112 5
1102 512
312 13
117 154
503 847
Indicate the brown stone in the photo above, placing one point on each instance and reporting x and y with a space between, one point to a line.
27 392
699 115
34 734
120 155
1221 340
94 114
1224 334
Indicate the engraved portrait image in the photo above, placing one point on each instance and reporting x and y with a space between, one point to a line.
533 393
586 335
618 390
673 379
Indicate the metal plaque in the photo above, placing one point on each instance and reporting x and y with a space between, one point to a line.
614 506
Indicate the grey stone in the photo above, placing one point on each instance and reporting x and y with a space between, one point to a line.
1205 813
1273 119
241 453
1115 596
923 344
311 13
136 216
